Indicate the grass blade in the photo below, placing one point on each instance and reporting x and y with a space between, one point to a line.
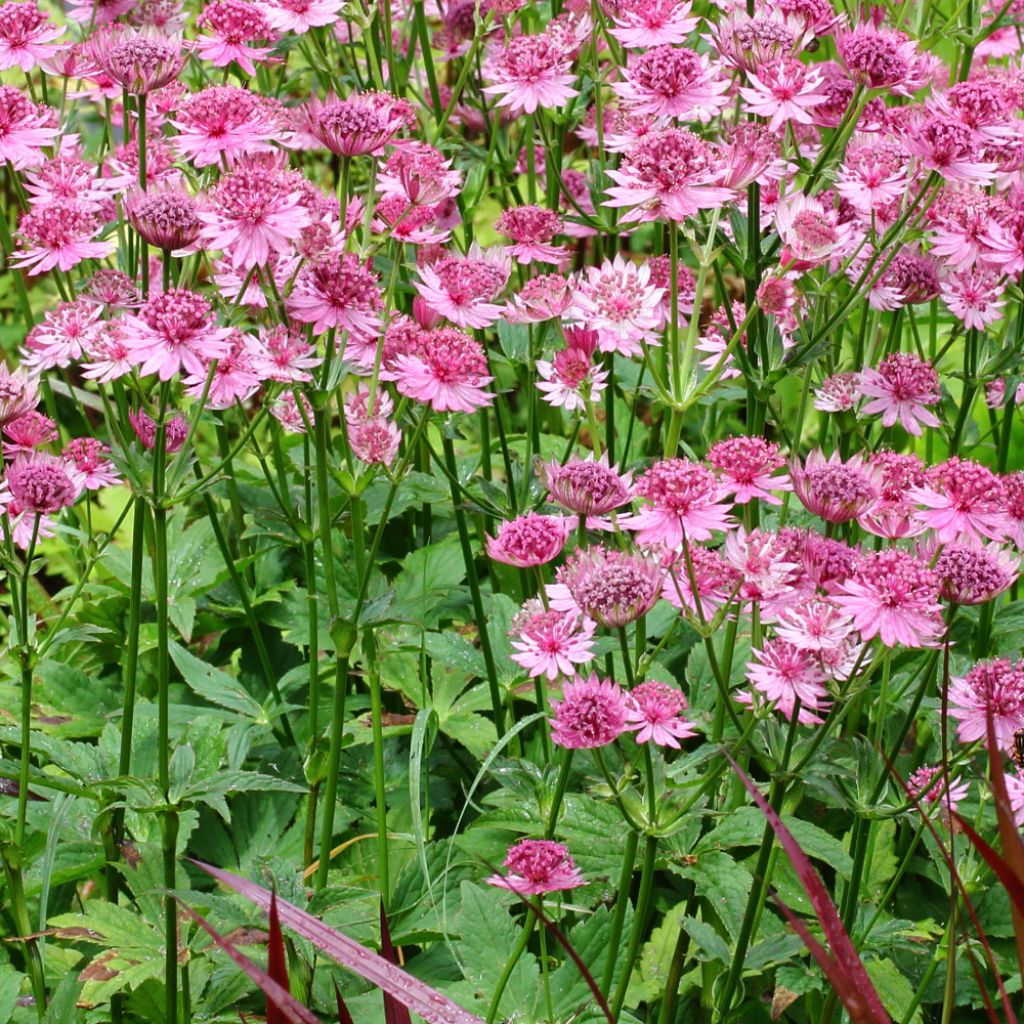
277 960
394 1011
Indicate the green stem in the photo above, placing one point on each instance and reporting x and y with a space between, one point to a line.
619 914
643 903
379 785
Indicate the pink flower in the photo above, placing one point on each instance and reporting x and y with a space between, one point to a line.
420 174
714 582
64 334
836 491
175 431
338 292
588 487
784 675
901 388
175 331
946 145
537 866
838 393
99 12
818 624
138 61
224 122
463 288
640 23
234 377
292 416
975 573
41 483
167 218
299 16
963 500
669 172
810 234
614 588
234 24
972 296
993 688
19 393
88 456
529 540
783 90
618 301
255 212
591 713
449 371
108 353
877 58
58 235
530 72
550 643
359 124
763 561
571 378
669 81
895 596
26 36
28 432
654 711
745 466
894 516
928 785
685 500
284 355
531 229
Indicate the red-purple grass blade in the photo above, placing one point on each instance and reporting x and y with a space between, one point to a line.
394 1011
277 960
290 1010
1009 836
419 997
344 1017
848 976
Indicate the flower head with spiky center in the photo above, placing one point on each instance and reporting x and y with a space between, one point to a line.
463 288
448 370
838 393
26 35
138 61
531 71
612 587
975 573
835 490
531 229
654 711
652 22
962 499
551 643
167 218
41 483
928 784
670 81
685 500
233 25
340 292
25 128
537 866
991 688
59 234
299 16
88 456
591 713
359 124
745 466
876 57
224 122
789 678
529 540
587 487
901 388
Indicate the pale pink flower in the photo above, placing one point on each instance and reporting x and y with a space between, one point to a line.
588 487
372 436
783 91
1015 782
139 61
614 588
550 643
174 332
973 297
448 370
463 288
946 145
713 584
299 16
283 354
1013 497
785 675
420 174
529 540
292 416
817 16
640 23
838 393
874 173
928 785
531 229
618 301
960 219
405 223
68 176
901 388
1003 243
88 456
975 573
963 500
108 356
26 35
669 172
893 595
836 491
766 569
546 297
810 233
41 483
224 122
338 292
537 866
654 711
745 466
894 515
591 713
686 500
991 688
59 234
175 431
234 378
28 432
571 378
234 25
531 71
669 81
62 336
818 624
360 124
111 290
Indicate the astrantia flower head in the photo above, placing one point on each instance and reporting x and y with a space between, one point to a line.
901 388
818 624
785 674
531 71
619 302
88 456
745 465
836 491
28 432
894 515
537 866
991 688
26 35
944 144
531 229
448 370
546 297
973 297
167 218
686 499
359 124
810 233
783 90
894 596
700 585
766 568
299 16
138 61
463 288
838 393
419 173
42 483
963 500
588 487
654 711
145 427
876 57
19 393
975 573
64 334
550 643
670 81
224 122
233 25
591 713
612 587
340 292
928 784
749 41
651 22
59 234
529 540
25 128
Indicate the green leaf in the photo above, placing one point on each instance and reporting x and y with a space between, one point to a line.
213 685
10 986
648 983
182 764
895 991
724 884
428 583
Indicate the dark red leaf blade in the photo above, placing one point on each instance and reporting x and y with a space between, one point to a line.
291 1010
394 1011
851 980
277 960
344 1017
419 997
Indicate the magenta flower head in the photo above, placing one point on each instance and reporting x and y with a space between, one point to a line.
875 57
686 499
42 483
784 674
993 688
19 393
449 371
901 389
360 124
963 500
340 292
537 866
588 487
838 393
529 540
975 573
654 711
145 430
928 785
745 465
138 61
166 218
26 36
612 587
591 713
549 642
836 491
